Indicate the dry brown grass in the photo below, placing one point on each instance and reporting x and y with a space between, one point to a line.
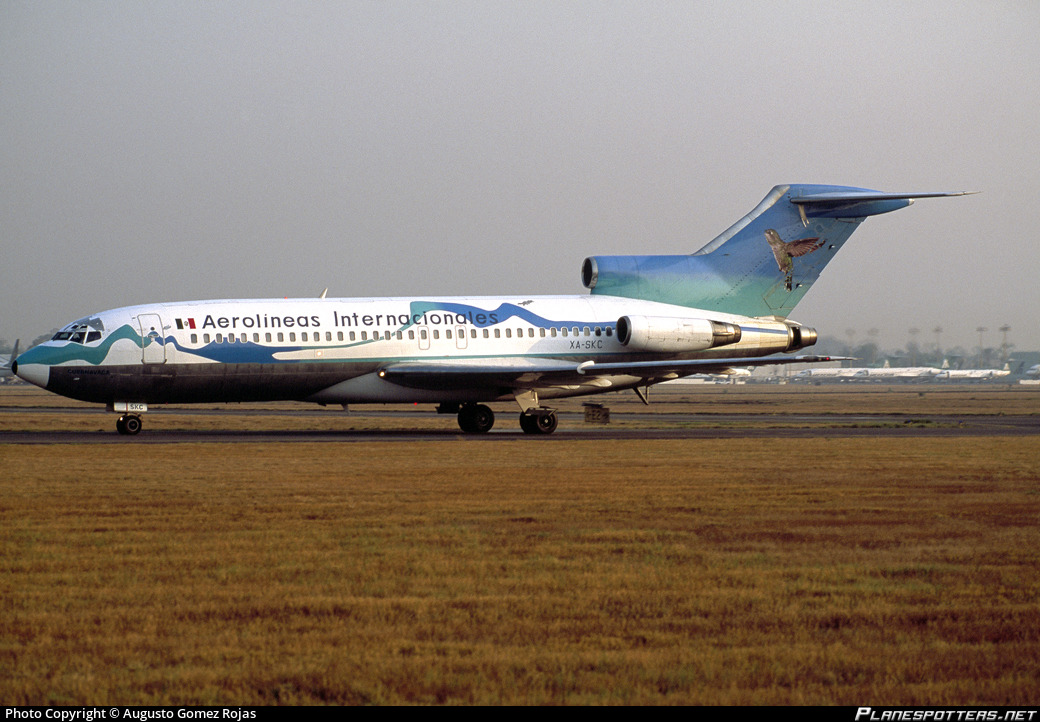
774 571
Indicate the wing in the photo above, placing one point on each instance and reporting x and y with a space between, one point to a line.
508 375
803 246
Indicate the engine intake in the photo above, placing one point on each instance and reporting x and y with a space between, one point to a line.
662 334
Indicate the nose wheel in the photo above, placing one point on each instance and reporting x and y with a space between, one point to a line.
128 424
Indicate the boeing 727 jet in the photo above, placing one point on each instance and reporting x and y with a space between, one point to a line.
647 319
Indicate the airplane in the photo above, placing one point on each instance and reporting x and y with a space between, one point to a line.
646 319
7 362
948 374
826 374
897 373
867 373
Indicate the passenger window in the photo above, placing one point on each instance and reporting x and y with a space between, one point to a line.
436 333
586 330
339 335
244 338
256 338
552 332
267 337
328 335
563 331
231 338
530 333
422 334
509 333
292 337
498 333
364 335
610 331
574 330
281 337
353 336
411 335
303 336
486 333
447 334
220 338
205 338
599 331
386 335
194 338
473 333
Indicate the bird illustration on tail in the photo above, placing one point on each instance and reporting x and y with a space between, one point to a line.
785 252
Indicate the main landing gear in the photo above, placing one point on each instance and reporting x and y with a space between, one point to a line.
539 421
478 419
128 424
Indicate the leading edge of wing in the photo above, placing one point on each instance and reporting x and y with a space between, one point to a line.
535 372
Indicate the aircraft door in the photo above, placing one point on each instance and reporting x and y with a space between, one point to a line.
424 337
460 337
153 346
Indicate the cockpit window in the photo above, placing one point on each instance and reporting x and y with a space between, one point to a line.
86 330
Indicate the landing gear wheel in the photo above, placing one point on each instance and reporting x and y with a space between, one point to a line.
538 423
476 419
128 424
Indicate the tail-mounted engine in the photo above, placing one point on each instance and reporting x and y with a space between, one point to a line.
662 334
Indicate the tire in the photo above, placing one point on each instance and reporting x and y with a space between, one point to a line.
476 419
132 424
528 424
538 423
547 423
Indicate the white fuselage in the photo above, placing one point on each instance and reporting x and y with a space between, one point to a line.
330 350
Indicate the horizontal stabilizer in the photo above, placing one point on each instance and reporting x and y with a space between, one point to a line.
859 196
859 203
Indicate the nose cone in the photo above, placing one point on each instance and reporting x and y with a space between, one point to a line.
32 366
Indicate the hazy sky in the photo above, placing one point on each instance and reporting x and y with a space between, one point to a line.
162 151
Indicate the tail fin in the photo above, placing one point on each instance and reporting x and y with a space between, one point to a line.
763 264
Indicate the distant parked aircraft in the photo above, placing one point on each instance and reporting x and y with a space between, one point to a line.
7 361
972 374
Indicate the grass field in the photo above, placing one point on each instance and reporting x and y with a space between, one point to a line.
849 571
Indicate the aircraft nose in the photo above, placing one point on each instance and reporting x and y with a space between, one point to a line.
27 368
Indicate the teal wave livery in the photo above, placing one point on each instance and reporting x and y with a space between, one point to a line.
647 319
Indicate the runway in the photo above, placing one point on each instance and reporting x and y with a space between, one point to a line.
629 426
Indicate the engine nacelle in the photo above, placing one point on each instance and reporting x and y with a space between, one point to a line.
662 334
